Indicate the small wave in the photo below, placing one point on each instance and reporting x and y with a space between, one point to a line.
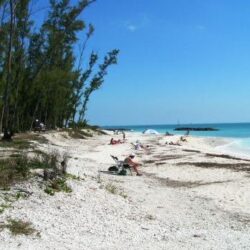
239 147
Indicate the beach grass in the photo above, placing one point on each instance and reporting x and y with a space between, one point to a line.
76 133
19 227
22 141
19 168
113 189
13 170
57 185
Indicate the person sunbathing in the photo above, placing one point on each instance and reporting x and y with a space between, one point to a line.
174 143
183 139
168 134
113 141
129 161
139 146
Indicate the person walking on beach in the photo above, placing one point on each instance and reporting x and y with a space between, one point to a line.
123 135
130 161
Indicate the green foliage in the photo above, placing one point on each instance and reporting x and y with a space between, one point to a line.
111 188
22 141
17 169
79 124
97 80
19 227
20 195
41 75
57 185
78 134
17 144
3 207
13 171
49 190
43 161
73 177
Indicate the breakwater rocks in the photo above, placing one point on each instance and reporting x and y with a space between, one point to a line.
195 129
118 129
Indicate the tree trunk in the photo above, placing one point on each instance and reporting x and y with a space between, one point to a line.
34 115
7 125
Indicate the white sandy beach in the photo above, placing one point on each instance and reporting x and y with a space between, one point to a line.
189 197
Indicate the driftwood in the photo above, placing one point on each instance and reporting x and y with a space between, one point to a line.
23 191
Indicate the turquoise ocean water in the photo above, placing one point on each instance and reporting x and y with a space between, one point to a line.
238 132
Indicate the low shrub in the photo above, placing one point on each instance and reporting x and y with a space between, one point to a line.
57 185
111 188
19 227
13 170
78 134
18 168
74 177
22 141
3 207
44 161
16 143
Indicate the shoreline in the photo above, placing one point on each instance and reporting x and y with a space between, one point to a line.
223 145
229 145
235 147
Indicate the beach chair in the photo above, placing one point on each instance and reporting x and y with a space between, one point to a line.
120 167
40 128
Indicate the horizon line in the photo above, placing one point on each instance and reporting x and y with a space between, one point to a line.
176 124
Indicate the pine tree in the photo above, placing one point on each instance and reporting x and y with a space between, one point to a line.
40 75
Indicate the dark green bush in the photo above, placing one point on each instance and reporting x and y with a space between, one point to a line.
57 185
19 227
13 170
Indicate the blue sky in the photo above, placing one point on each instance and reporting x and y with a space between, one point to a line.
186 61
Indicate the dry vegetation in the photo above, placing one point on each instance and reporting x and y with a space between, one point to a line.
19 227
57 185
23 141
86 132
111 188
232 166
16 167
180 184
13 170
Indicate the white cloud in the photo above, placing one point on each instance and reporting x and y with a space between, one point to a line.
140 22
131 27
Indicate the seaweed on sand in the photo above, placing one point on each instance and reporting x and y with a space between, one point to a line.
232 166
180 184
226 157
